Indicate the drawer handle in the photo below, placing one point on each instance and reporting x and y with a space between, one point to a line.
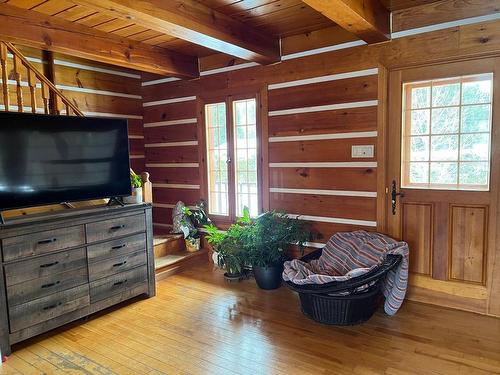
120 264
49 265
119 247
120 283
117 227
45 286
49 240
51 307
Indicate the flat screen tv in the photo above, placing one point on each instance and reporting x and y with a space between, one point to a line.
54 159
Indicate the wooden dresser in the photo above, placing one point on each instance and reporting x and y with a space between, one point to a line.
59 267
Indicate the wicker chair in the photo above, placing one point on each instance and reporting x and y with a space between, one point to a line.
344 303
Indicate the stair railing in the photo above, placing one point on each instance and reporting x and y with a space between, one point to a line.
47 88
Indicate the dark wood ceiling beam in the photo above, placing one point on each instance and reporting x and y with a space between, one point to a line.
194 22
368 19
34 29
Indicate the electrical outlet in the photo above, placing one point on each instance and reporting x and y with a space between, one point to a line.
363 151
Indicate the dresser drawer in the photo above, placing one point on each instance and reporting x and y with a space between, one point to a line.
31 269
42 242
113 228
43 309
44 286
109 286
111 266
115 248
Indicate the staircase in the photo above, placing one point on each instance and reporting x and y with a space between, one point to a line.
171 256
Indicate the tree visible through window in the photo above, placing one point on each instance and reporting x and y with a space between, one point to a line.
232 157
447 133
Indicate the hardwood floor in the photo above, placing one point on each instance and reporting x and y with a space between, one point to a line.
199 324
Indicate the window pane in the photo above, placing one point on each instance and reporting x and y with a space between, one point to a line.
420 121
474 173
444 147
419 149
476 92
445 120
246 155
474 147
445 95
476 118
419 173
455 130
444 173
215 118
421 97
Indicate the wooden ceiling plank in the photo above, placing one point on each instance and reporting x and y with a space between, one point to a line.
54 34
52 7
196 23
368 19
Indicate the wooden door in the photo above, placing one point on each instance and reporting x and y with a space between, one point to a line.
439 144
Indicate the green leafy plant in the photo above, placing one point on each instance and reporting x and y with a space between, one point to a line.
135 180
270 235
231 244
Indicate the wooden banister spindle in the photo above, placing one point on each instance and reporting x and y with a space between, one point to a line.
32 85
45 98
5 77
57 105
17 76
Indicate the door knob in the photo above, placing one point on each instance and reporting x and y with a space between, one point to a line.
394 195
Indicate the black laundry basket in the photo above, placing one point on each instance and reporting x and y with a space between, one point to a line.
339 303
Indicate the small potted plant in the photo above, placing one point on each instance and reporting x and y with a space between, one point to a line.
136 196
230 246
268 238
191 234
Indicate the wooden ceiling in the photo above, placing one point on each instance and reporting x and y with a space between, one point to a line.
236 27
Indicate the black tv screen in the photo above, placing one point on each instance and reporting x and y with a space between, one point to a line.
54 159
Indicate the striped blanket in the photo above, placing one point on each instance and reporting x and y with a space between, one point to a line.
352 254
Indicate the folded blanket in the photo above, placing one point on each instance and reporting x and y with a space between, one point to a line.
352 254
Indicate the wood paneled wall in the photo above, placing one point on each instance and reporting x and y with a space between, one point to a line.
98 90
318 106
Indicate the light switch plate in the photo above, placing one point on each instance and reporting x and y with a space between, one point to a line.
363 151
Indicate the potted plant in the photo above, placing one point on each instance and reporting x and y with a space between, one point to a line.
269 237
136 182
229 246
191 234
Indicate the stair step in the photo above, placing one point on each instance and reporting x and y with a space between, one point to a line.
168 244
171 264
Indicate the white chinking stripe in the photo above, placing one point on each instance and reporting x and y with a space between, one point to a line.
159 81
171 122
132 136
320 108
228 68
169 101
342 193
96 69
137 156
335 220
163 225
319 137
326 164
172 165
97 92
172 144
168 205
317 51
104 114
176 186
445 25
331 77
30 59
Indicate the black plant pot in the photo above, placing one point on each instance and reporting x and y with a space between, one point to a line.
268 277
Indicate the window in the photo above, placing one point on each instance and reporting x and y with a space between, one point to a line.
231 132
447 133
